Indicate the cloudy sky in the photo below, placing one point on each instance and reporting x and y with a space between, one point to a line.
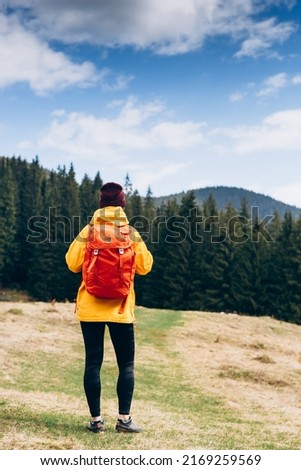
180 94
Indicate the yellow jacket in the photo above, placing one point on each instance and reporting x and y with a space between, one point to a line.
88 307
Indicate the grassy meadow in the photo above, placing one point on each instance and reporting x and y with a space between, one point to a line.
203 381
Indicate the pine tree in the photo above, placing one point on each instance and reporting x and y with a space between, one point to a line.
128 186
244 209
272 272
70 213
248 273
128 189
190 251
294 277
156 292
97 184
136 205
31 184
7 222
219 295
49 277
176 274
42 277
207 255
149 209
87 203
290 309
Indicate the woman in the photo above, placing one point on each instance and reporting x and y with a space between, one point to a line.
118 314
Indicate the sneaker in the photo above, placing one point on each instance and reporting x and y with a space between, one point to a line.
127 426
96 426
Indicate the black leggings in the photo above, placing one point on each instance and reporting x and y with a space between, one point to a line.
122 336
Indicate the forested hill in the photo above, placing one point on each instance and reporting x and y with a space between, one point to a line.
224 195
230 260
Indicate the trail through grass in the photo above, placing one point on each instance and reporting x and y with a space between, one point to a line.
184 363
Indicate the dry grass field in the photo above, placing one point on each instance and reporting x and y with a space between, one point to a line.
203 381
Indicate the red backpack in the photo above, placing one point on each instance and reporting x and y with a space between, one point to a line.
109 261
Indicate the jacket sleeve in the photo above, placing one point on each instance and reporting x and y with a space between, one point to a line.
75 254
144 258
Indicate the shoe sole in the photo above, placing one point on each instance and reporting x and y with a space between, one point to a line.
127 431
95 430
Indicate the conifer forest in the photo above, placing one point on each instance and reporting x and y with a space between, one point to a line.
204 258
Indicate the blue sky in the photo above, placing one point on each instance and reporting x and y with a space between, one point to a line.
179 94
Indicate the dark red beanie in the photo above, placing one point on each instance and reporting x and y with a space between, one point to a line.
111 194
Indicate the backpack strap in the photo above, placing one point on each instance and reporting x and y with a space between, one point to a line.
121 310
95 254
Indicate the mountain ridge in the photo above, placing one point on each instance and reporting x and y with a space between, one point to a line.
225 195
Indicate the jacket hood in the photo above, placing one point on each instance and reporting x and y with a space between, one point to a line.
112 214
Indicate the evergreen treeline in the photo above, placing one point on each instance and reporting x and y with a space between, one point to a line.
204 259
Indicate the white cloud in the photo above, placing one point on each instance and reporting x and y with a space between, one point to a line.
263 35
178 135
270 86
167 27
110 81
289 193
25 145
135 128
58 112
273 84
25 58
296 80
278 131
152 173
138 139
276 82
238 96
251 47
